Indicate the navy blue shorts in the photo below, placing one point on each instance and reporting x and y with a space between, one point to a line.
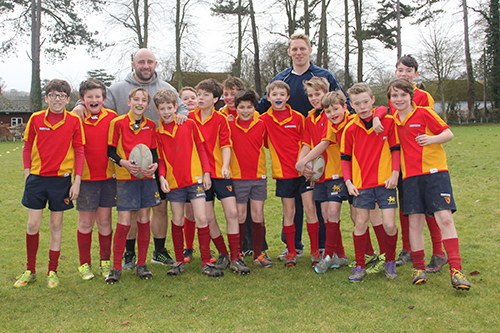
163 195
427 194
186 194
223 188
330 190
288 188
95 194
136 194
38 190
368 197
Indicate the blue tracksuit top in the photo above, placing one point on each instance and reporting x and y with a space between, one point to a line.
298 97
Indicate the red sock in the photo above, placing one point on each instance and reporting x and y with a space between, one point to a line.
437 243
359 248
178 240
390 246
234 244
242 235
258 238
84 242
204 242
53 260
418 259
119 244
105 246
189 231
32 242
369 247
313 231
380 233
330 238
405 231
289 232
143 237
220 245
339 245
453 251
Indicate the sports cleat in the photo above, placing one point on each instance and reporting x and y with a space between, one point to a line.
263 261
188 255
282 256
339 262
143 272
369 258
404 257
128 261
378 265
300 253
436 263
458 280
324 265
85 271
291 260
114 276
222 262
247 253
24 279
266 256
105 267
315 258
177 268
210 270
419 276
358 274
390 270
239 266
162 257
212 258
52 280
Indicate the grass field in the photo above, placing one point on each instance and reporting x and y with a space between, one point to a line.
268 300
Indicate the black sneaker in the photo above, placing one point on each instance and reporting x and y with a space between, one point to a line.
222 262
436 263
188 255
239 266
114 276
162 257
210 270
404 257
143 272
177 269
128 261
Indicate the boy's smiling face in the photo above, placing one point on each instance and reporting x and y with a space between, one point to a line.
190 99
57 101
362 104
315 97
206 99
335 113
400 99
166 111
93 100
278 98
405 72
245 110
229 97
138 104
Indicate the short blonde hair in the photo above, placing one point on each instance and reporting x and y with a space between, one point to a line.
187 89
333 97
302 36
317 83
277 84
165 95
134 91
359 88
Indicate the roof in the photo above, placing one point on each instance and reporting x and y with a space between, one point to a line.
191 79
13 105
456 89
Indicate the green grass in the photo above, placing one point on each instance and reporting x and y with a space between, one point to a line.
268 300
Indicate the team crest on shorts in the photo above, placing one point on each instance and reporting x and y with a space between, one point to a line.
157 196
391 200
66 201
229 188
199 190
447 199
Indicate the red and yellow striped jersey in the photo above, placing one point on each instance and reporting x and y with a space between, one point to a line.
421 98
334 133
314 130
53 152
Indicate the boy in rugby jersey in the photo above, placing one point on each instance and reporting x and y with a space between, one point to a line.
98 187
184 176
53 148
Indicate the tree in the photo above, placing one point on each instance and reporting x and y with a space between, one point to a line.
468 63
133 15
182 24
256 53
62 28
322 55
101 75
347 51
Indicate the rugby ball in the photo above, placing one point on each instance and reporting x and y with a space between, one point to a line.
141 156
318 167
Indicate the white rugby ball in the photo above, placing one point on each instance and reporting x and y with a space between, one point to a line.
318 167
141 156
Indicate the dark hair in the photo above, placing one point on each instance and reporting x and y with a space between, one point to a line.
92 84
212 86
249 95
58 85
234 83
408 61
402 84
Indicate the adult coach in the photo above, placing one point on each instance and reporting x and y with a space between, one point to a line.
299 48
144 75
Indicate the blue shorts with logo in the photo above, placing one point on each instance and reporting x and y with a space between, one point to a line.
136 194
330 190
223 188
95 194
368 197
187 193
289 188
39 189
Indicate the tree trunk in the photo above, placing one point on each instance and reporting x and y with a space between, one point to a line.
146 23
306 17
398 29
468 62
347 82
237 70
256 63
178 23
359 37
36 90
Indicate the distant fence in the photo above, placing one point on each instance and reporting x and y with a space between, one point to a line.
482 117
